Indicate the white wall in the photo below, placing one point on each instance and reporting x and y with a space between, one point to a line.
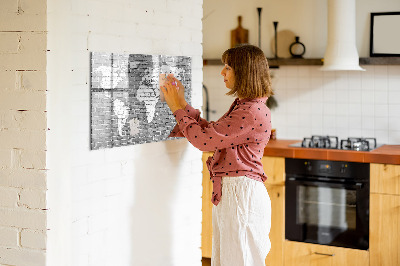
311 102
306 19
23 133
134 205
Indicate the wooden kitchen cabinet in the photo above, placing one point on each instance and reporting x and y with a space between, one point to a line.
385 178
206 225
277 233
274 168
384 215
305 254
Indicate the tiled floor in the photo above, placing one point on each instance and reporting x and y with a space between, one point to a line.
206 261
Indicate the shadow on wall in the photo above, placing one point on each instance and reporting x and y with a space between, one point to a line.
154 204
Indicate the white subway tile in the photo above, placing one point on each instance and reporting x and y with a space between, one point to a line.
380 71
367 96
394 110
380 84
382 136
381 110
394 123
381 97
394 97
394 137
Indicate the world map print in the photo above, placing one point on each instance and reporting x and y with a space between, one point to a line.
127 106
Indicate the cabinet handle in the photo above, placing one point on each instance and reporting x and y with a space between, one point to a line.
324 254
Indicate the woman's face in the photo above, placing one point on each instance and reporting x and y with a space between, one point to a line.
229 76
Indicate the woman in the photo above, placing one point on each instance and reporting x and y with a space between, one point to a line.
242 208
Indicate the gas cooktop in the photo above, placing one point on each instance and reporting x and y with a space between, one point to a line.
332 142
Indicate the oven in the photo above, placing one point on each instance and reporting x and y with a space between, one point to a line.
327 202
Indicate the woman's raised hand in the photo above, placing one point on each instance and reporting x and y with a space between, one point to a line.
181 91
172 95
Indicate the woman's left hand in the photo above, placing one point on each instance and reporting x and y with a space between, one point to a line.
171 95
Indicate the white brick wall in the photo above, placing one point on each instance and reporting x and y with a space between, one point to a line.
134 205
23 132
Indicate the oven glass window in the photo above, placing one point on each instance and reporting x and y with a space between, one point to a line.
326 207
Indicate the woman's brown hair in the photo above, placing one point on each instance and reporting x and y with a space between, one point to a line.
250 66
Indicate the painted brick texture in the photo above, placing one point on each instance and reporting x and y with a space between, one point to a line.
23 132
133 205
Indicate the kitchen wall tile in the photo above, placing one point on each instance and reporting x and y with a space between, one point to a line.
394 97
394 110
381 123
367 133
355 132
304 72
366 100
291 71
342 80
342 122
367 96
380 71
393 71
367 122
342 96
354 80
367 110
381 136
381 97
317 95
355 96
304 82
381 84
394 123
355 122
381 110
367 81
329 109
328 74
394 137
394 83
329 123
315 72
342 109
342 133
292 82
316 82
355 109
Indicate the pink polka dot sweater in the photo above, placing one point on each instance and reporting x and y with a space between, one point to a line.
238 139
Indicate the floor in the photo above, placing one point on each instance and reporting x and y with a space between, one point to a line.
206 261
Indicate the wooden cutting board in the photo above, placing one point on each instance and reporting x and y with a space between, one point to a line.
239 35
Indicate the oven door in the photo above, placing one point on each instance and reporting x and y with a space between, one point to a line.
327 213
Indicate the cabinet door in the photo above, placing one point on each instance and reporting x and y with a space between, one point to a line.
274 168
277 233
304 254
385 178
384 230
206 226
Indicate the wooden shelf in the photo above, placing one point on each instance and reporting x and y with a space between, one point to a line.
273 63
380 61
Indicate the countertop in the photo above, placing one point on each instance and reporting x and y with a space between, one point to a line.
389 154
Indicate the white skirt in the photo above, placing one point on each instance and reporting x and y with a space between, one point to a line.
241 223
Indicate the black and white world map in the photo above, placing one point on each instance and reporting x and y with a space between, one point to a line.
126 105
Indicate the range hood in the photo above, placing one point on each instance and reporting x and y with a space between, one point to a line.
341 51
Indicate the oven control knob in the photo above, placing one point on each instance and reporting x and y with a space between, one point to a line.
308 166
343 168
